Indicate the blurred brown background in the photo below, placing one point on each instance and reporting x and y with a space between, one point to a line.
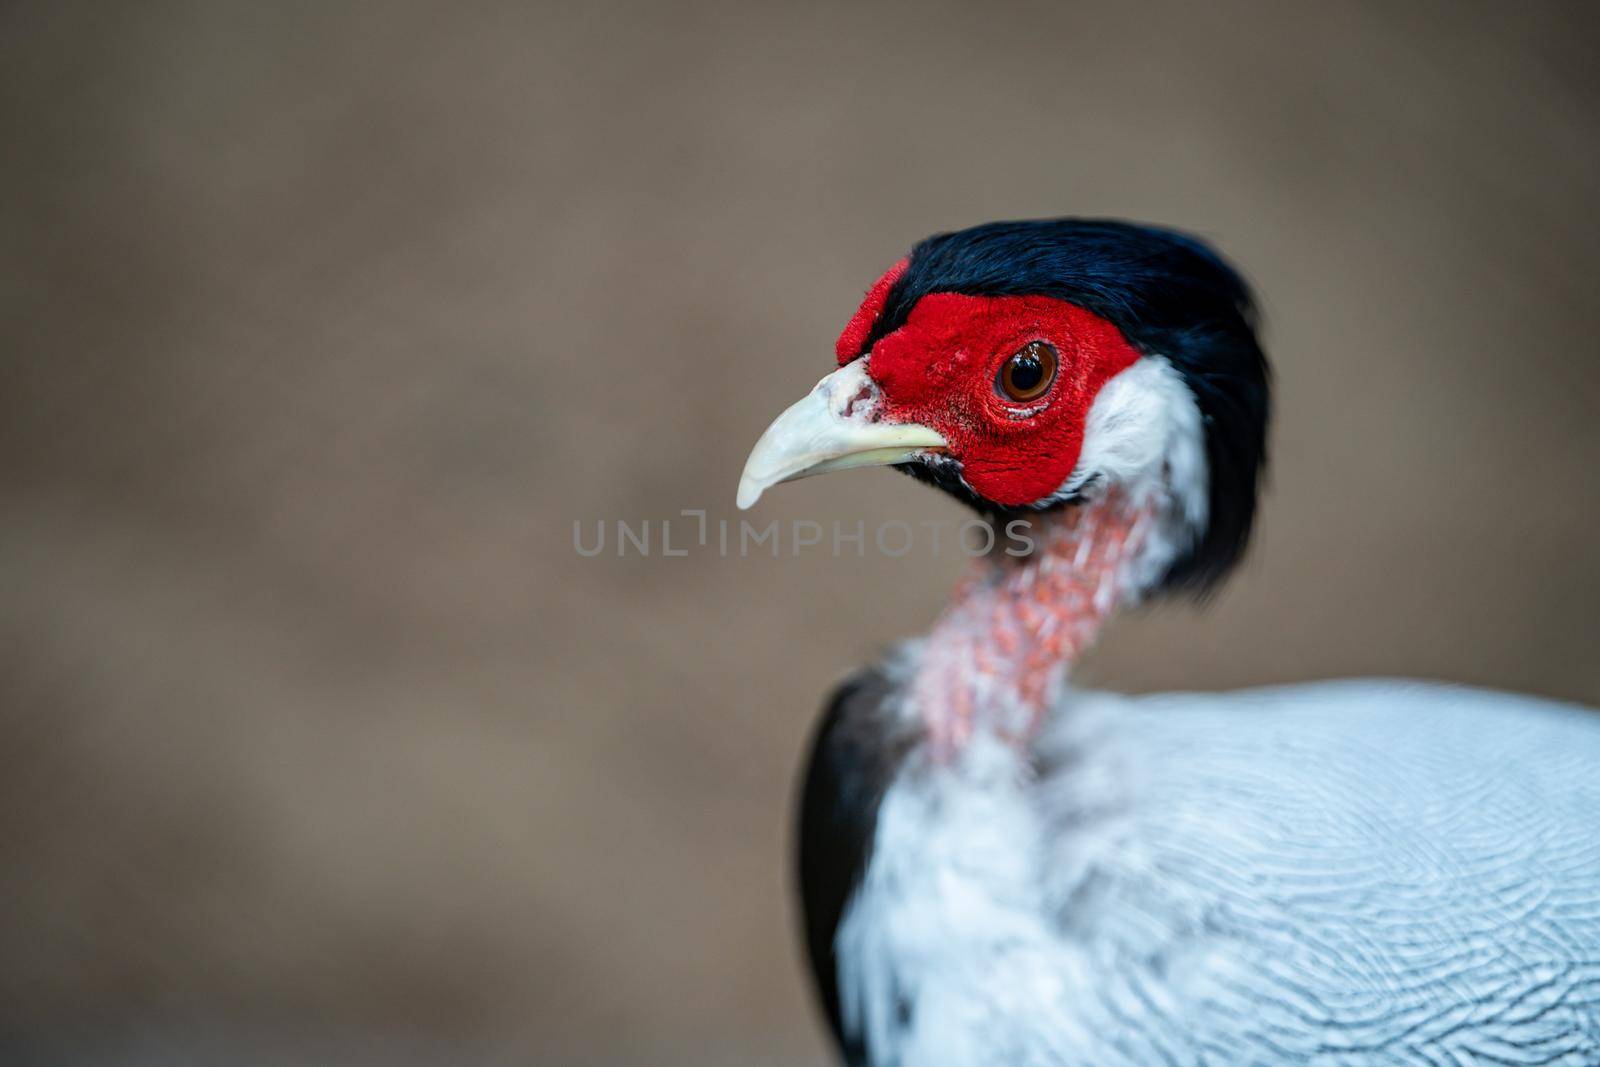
321 325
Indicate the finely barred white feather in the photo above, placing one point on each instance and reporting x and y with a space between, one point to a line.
1347 873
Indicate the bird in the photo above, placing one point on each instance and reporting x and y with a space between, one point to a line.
997 867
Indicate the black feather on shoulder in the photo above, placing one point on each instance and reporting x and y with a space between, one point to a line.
854 756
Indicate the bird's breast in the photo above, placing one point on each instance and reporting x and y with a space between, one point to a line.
1346 868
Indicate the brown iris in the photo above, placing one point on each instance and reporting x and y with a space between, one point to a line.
1028 374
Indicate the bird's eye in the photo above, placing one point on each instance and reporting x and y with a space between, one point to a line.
1028 374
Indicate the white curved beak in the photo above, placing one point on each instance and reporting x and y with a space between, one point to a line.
837 426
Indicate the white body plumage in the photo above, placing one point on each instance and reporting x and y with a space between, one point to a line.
1344 873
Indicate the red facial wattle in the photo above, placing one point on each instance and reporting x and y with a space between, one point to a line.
939 369
854 336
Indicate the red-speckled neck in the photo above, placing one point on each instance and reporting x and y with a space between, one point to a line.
998 656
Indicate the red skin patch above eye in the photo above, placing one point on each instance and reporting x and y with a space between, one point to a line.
939 370
856 331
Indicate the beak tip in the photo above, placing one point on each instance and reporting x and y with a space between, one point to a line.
749 493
